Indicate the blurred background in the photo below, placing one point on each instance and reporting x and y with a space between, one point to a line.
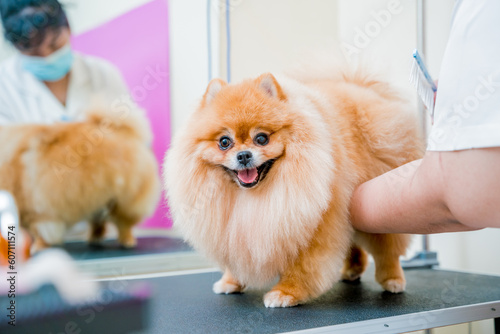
199 40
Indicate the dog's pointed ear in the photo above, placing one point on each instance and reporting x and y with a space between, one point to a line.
214 87
269 84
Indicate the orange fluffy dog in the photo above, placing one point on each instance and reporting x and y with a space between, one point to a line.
261 178
68 172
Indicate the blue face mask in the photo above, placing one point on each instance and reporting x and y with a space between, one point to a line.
51 68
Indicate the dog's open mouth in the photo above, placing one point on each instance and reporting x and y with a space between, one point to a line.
247 176
250 177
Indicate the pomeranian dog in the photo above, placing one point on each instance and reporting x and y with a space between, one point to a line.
260 180
94 170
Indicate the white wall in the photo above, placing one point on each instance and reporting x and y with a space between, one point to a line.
437 26
188 57
384 34
273 35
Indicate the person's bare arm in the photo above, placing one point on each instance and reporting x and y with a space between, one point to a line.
444 192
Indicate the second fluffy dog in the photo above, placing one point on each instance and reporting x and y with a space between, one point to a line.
94 170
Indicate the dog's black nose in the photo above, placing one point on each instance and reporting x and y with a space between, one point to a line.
244 157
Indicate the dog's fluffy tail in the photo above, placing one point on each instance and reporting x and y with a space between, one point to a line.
333 65
132 121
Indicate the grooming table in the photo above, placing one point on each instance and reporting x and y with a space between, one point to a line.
152 254
185 303
45 312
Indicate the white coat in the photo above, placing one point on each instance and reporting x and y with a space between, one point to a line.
25 99
467 112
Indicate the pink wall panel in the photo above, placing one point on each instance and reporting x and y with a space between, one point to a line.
137 43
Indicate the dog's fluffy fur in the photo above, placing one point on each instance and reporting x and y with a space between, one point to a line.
327 134
94 170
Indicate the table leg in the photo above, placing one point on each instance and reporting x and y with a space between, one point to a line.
497 325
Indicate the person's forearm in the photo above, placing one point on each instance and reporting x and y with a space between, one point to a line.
408 199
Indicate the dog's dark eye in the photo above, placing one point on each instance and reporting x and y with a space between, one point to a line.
262 139
225 143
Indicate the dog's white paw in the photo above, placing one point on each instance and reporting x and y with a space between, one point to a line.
277 298
394 285
51 232
224 287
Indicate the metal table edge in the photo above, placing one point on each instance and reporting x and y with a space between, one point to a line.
414 321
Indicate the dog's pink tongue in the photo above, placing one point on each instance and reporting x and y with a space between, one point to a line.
248 175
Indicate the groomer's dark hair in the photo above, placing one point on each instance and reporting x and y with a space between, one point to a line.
27 22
